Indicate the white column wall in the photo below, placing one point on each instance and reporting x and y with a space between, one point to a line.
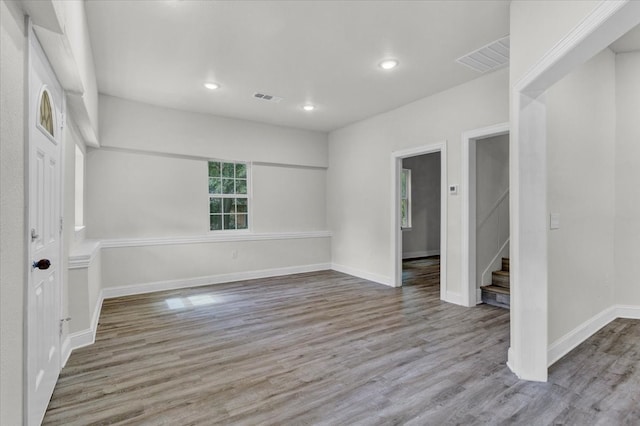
627 191
13 259
580 187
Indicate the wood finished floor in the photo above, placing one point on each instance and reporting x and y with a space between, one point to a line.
326 348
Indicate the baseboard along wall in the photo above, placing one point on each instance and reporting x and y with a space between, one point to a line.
575 337
380 279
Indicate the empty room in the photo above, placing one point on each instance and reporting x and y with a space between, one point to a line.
319 212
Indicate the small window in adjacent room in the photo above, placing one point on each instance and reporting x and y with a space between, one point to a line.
79 188
405 198
228 196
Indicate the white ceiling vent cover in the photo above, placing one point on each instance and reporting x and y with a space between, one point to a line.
488 58
268 98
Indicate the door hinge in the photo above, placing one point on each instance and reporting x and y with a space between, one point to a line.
61 224
62 321
63 118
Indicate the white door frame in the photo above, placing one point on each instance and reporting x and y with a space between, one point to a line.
609 20
469 139
396 232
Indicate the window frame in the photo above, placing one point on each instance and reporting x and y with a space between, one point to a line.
54 115
79 187
234 195
405 196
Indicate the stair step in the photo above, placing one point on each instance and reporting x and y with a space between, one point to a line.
495 289
505 263
496 296
500 278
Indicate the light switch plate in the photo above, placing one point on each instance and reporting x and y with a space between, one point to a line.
453 189
554 221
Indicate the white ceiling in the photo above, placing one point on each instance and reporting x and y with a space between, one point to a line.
322 52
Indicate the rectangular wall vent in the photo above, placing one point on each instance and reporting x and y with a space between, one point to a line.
488 58
269 98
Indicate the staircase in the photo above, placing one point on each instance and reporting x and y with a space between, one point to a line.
499 292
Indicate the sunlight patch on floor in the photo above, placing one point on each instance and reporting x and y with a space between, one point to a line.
190 301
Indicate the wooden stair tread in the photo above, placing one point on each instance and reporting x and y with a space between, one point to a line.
495 289
501 279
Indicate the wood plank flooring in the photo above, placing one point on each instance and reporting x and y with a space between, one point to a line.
329 349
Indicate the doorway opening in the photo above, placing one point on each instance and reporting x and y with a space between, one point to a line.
485 222
419 217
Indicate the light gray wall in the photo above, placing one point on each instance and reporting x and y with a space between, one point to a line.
150 180
13 259
129 266
288 198
492 211
133 194
139 195
359 180
84 285
134 125
536 27
627 188
580 158
423 239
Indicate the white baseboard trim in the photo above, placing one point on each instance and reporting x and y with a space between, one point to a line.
572 339
423 253
510 359
455 298
82 338
65 351
87 337
132 289
628 311
380 279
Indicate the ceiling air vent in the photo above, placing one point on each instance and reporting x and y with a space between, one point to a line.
268 98
488 58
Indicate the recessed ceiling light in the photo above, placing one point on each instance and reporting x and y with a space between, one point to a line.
212 86
388 64
308 107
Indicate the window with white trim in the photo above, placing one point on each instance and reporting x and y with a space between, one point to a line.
228 195
405 198
79 188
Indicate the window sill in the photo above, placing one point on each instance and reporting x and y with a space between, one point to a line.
227 233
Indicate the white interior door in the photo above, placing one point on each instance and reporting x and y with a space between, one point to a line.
44 307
